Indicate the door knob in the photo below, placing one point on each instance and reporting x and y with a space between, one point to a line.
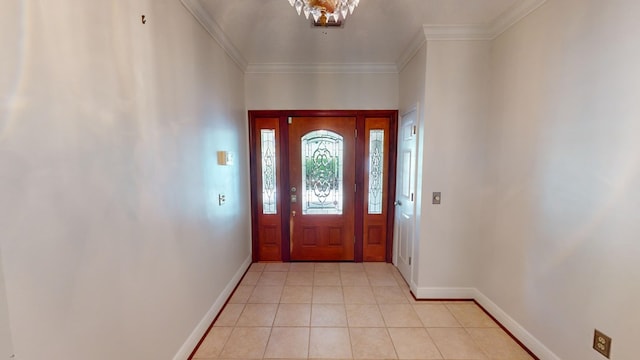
397 203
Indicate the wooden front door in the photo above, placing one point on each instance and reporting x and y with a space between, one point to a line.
322 187
322 184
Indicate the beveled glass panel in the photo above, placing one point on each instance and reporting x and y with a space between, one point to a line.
322 183
376 166
268 147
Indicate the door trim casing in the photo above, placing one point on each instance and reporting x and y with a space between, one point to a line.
283 184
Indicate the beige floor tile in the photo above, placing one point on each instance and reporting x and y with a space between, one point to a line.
300 278
250 278
305 267
266 295
359 315
293 315
389 295
470 315
354 278
330 343
288 343
329 315
400 315
281 267
229 315
413 343
410 298
241 294
358 295
399 278
455 343
344 311
258 315
328 295
296 295
435 315
214 342
497 344
327 278
381 279
377 267
273 278
327 267
351 267
246 343
257 267
371 343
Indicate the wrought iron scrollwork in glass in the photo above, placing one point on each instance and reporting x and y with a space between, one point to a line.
322 171
268 146
376 167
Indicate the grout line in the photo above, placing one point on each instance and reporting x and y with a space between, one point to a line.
206 333
408 296
507 331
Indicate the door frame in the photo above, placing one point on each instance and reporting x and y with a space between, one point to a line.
283 170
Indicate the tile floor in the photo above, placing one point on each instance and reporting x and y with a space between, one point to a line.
347 311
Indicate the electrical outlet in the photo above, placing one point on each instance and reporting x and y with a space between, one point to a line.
222 199
602 343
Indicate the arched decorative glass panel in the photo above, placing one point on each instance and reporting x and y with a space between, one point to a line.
376 167
268 147
322 183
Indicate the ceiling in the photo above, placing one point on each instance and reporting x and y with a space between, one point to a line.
269 33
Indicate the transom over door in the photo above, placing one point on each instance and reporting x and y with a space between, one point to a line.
322 188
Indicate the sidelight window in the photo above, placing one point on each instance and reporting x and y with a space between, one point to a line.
376 167
268 146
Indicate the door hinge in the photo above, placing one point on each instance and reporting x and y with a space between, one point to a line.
415 129
409 260
290 120
356 132
354 239
355 188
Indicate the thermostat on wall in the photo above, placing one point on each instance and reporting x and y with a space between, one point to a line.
225 158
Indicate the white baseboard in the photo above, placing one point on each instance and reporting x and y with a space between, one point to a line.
519 332
444 293
203 325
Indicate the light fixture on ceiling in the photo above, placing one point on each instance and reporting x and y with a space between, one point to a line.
323 10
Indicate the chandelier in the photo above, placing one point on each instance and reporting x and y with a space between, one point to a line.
323 10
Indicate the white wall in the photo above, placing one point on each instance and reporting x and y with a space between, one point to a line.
563 256
6 345
456 107
112 241
321 91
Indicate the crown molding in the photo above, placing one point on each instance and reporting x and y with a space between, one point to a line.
216 32
470 32
513 15
457 32
410 51
429 32
353 68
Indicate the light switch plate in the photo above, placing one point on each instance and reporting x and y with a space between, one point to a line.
436 198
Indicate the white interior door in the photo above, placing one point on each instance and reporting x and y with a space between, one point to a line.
404 228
